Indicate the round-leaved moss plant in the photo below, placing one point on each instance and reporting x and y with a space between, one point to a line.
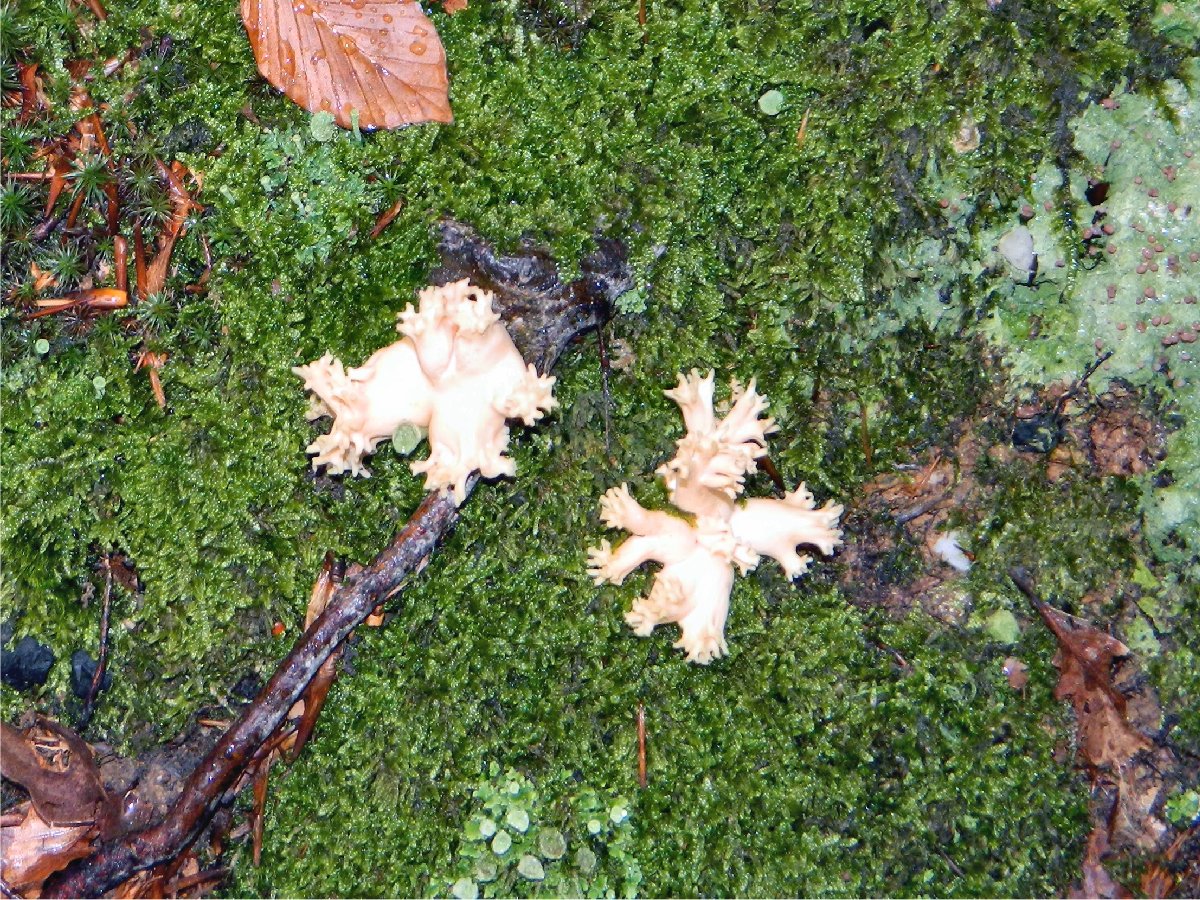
515 843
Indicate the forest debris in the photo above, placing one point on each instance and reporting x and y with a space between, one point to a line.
153 362
33 97
450 7
1084 659
98 676
1121 438
371 63
33 850
92 299
27 664
1116 716
1096 880
1016 672
182 205
386 218
58 770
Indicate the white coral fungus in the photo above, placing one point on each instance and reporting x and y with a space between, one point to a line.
699 553
455 374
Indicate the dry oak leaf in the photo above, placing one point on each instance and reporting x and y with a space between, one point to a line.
381 59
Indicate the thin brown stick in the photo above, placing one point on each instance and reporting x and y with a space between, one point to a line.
261 777
121 263
191 881
605 396
102 653
643 780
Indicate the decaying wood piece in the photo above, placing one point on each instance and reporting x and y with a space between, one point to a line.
543 315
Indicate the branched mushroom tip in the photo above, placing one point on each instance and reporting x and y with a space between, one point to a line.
698 554
455 375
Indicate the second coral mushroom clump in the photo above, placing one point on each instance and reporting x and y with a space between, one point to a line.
456 375
699 552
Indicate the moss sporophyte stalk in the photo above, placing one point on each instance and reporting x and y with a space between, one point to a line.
844 248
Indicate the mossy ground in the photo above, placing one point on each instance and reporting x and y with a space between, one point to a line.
806 763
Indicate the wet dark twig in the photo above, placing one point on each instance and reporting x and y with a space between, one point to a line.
102 653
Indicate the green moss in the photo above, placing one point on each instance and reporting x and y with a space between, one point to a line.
805 763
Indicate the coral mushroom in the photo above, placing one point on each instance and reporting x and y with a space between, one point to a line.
698 553
455 374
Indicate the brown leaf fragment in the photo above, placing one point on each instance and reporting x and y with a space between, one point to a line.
455 6
1016 672
386 218
33 98
33 850
381 59
1096 880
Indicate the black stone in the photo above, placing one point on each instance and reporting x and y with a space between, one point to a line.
26 665
1040 434
83 670
247 687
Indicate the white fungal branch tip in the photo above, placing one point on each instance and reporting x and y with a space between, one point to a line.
699 554
455 375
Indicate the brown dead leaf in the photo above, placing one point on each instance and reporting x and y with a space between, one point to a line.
381 59
1084 659
34 850
1085 664
454 6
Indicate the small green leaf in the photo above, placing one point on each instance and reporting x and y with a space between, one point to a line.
518 819
406 437
1002 626
1183 809
594 826
531 867
552 844
322 126
771 103
501 842
487 828
41 346
585 861
465 889
99 383
486 868
618 814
